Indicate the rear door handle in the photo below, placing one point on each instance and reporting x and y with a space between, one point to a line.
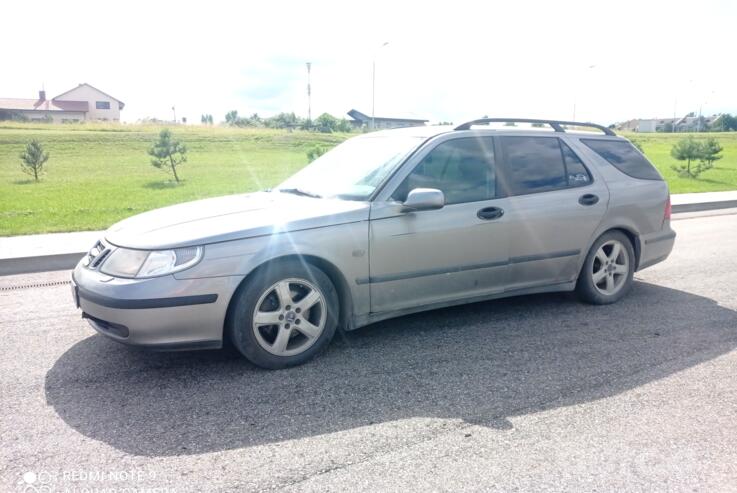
588 199
489 213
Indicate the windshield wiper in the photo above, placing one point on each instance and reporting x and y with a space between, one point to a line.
299 191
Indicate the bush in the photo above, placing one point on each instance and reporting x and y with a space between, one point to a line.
315 152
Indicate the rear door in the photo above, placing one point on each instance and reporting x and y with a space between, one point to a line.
555 205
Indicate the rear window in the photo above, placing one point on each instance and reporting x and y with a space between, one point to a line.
623 156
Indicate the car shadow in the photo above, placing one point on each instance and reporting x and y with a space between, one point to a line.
482 363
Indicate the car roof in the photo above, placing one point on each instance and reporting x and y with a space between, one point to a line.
425 131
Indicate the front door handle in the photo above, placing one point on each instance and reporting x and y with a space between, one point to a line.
489 213
588 199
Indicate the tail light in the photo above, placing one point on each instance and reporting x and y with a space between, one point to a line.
668 210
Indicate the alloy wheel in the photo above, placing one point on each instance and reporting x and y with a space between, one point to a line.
610 267
289 317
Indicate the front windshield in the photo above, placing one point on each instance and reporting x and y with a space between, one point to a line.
352 170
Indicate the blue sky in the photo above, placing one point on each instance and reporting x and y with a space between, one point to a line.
444 61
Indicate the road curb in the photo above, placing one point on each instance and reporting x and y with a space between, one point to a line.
704 206
43 263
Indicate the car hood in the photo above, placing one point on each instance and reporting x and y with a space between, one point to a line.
232 217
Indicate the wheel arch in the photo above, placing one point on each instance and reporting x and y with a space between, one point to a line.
345 299
631 235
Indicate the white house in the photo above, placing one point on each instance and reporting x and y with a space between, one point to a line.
83 103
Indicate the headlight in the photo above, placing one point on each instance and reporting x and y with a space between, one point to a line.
124 262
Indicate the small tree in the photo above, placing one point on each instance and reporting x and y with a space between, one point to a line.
326 123
33 159
167 154
206 119
710 150
231 117
688 150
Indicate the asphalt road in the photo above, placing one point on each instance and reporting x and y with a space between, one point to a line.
530 393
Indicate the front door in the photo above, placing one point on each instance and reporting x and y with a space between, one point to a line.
436 256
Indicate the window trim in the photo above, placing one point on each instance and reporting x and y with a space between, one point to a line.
424 150
503 160
109 106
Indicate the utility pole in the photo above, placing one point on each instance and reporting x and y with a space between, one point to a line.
174 110
309 93
373 87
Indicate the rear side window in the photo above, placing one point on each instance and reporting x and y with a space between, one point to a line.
623 156
578 175
540 164
532 164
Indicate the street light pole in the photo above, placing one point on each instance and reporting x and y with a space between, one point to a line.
373 86
309 93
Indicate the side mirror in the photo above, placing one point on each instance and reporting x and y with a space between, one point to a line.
423 199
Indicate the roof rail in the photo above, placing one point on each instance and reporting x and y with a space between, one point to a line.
556 125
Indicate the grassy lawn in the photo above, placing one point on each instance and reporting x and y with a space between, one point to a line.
99 174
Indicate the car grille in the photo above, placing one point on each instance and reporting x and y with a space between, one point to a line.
97 255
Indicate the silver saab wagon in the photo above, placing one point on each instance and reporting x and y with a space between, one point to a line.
385 224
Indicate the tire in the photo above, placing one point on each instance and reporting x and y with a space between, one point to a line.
606 274
270 322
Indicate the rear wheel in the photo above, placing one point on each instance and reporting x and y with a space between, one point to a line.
607 272
285 314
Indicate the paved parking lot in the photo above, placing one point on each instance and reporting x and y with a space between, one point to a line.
530 393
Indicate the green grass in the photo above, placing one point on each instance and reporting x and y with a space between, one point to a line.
99 174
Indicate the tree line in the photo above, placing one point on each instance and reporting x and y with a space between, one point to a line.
325 123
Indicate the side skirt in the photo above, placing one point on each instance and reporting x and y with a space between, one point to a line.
362 320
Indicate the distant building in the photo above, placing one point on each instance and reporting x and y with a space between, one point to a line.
83 103
696 123
362 120
647 125
684 124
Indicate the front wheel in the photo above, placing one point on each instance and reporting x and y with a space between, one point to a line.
607 272
285 314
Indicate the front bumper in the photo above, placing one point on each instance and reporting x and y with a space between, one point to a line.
161 313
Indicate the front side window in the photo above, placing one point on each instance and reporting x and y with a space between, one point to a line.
102 105
463 169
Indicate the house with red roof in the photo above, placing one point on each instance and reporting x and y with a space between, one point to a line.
83 103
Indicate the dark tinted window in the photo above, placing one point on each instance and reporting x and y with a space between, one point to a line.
532 164
102 105
578 175
462 168
624 157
